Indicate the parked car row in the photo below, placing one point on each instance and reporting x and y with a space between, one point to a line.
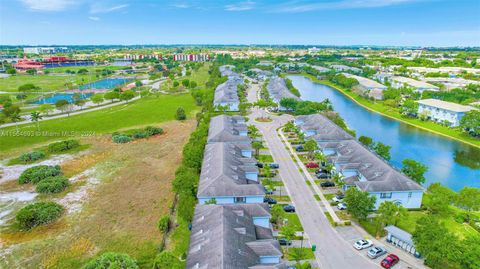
374 252
272 165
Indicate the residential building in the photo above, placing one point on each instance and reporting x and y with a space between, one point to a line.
229 176
401 239
442 111
359 166
181 57
419 86
225 128
278 90
345 68
451 83
226 236
321 69
45 50
368 87
382 77
226 94
262 75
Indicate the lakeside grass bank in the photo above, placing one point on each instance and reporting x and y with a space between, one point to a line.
381 109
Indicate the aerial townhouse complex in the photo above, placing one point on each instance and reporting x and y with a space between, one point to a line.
278 90
231 224
226 94
359 166
419 86
368 87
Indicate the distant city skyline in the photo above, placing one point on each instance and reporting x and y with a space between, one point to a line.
437 23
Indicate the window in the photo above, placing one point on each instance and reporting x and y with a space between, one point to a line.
410 195
240 200
385 195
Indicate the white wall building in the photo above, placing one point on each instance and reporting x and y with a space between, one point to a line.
419 86
441 111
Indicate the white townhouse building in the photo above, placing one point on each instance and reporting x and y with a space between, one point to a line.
419 86
368 87
441 111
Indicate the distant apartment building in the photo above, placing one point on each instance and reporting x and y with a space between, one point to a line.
142 56
445 69
180 57
419 86
227 237
368 87
442 111
45 50
451 83
360 167
345 68
278 90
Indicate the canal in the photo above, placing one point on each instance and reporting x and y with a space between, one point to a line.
452 163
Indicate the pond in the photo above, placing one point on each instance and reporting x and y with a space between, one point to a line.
452 163
108 83
59 96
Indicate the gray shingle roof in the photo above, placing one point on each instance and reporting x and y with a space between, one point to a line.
325 128
223 172
223 238
227 91
277 88
226 129
380 176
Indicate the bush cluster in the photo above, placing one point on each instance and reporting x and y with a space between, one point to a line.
31 156
127 136
62 146
38 173
112 260
38 213
52 185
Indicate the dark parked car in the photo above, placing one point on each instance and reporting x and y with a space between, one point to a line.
299 148
289 208
274 165
284 242
321 170
260 165
269 200
390 261
322 175
268 191
327 184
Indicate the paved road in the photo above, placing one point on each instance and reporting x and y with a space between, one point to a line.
333 252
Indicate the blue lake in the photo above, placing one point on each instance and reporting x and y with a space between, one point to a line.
452 163
59 96
107 83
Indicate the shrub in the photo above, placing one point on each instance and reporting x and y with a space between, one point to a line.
180 115
150 130
63 146
139 134
121 138
166 260
52 185
38 173
112 260
164 224
31 156
38 213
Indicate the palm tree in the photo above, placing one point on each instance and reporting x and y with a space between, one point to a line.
15 117
257 145
288 232
253 131
36 116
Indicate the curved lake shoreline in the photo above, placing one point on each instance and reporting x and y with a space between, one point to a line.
452 163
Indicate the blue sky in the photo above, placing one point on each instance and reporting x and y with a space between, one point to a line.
328 22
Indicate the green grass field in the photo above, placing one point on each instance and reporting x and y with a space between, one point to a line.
47 83
148 110
380 108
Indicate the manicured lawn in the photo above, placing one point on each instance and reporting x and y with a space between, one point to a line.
305 253
283 198
293 220
47 83
148 110
265 158
393 113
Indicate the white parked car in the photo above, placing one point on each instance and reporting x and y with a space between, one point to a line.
363 243
342 206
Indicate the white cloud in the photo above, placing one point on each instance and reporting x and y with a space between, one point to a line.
181 5
296 7
94 18
99 8
48 5
242 6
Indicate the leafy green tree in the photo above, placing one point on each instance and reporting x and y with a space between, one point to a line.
389 213
97 98
310 146
11 71
382 150
166 260
185 83
111 95
36 117
288 232
359 203
409 108
470 122
367 141
471 252
175 83
180 114
415 170
25 88
439 246
469 199
62 105
46 108
277 215
112 260
439 199
127 95
289 103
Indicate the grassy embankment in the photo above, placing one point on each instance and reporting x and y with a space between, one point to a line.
380 108
147 110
